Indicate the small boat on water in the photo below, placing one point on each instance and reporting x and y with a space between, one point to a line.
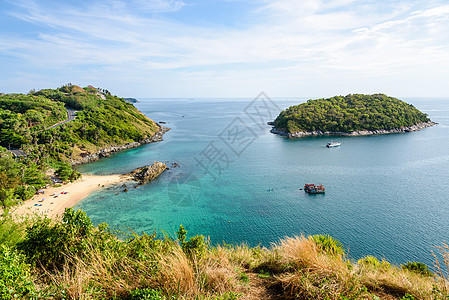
333 144
311 188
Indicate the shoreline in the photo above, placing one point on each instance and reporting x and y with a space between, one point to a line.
54 207
300 134
106 152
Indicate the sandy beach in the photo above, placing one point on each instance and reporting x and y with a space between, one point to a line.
56 199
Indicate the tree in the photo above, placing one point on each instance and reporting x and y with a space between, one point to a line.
7 185
65 172
195 246
34 177
33 117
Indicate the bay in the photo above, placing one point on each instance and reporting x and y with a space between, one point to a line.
387 195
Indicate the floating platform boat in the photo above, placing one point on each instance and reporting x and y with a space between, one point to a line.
311 188
333 144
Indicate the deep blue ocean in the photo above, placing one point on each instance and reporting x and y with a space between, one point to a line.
387 195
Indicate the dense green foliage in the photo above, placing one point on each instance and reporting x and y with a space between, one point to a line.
19 178
328 244
15 282
72 259
195 246
21 115
146 294
65 172
102 120
349 113
417 267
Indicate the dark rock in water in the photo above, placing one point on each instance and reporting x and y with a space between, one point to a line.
148 173
125 190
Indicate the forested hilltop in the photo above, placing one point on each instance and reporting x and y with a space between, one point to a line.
42 125
102 120
349 113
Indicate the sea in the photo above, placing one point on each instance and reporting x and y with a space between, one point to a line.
234 182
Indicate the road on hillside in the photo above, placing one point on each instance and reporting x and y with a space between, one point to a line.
16 152
71 115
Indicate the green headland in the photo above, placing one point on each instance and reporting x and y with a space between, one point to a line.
57 128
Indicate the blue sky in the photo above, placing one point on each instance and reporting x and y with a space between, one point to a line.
228 48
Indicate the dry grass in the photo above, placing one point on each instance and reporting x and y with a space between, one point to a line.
106 274
175 273
102 274
313 273
303 270
303 253
442 268
294 268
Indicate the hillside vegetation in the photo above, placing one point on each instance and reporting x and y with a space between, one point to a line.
71 259
102 120
349 113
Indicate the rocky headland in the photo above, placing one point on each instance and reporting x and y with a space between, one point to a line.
106 152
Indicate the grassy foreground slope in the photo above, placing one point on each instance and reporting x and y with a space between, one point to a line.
72 259
103 120
349 113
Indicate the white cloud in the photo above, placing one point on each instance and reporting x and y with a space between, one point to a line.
288 41
158 5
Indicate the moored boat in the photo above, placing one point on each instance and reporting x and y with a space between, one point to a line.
333 144
314 189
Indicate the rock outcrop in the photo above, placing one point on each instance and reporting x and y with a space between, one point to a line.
300 134
157 137
148 173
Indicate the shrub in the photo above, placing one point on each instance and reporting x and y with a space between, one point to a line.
47 242
195 246
369 261
12 229
15 279
328 244
66 172
25 192
417 267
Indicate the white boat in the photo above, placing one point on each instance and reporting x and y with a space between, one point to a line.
333 144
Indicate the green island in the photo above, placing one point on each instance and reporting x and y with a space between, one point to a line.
355 114
70 258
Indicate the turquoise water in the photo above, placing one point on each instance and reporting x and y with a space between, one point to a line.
386 195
